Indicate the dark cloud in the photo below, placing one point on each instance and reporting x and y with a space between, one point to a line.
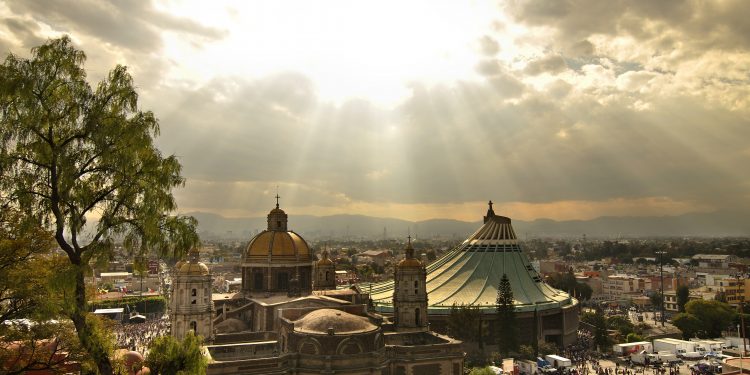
26 31
488 46
547 64
705 24
489 67
132 25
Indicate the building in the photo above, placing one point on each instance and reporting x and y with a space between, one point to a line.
325 273
192 306
278 324
622 286
470 275
715 261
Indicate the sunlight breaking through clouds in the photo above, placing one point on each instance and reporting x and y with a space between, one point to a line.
566 110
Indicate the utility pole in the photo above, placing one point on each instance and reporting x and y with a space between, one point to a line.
661 277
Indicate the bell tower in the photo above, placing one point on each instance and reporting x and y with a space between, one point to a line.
325 273
410 293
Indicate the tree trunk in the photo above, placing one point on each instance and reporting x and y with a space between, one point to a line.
86 333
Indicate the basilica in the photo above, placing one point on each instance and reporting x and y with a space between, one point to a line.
289 317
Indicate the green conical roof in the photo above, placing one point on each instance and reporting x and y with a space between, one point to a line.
471 273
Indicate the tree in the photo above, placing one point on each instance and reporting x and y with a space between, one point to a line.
599 326
688 324
683 295
621 324
69 152
720 297
27 266
507 329
656 300
633 337
464 322
714 316
168 356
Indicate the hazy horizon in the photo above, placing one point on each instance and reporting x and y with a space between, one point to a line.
566 110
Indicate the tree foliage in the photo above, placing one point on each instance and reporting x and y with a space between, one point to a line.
599 326
69 152
465 323
507 329
688 324
621 324
705 319
567 282
683 295
169 356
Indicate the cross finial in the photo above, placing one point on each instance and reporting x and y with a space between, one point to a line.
490 203
277 200
409 237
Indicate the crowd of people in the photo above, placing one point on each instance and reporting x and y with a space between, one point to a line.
138 336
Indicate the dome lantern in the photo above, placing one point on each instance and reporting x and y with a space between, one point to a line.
277 218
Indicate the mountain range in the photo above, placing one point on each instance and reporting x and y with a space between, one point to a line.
714 224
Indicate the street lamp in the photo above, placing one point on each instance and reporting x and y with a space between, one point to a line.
661 277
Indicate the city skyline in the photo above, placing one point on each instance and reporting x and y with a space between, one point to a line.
429 109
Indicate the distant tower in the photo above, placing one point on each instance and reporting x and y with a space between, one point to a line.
410 293
192 307
325 273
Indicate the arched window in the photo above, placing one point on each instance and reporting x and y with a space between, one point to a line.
195 292
417 321
328 275
194 326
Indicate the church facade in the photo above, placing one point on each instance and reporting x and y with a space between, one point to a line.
289 318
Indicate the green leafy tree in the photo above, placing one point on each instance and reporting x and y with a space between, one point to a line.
621 324
170 356
466 323
633 337
481 371
69 151
507 329
688 324
720 297
599 325
683 295
656 300
547 348
714 316
27 265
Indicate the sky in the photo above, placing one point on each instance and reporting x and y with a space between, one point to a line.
566 109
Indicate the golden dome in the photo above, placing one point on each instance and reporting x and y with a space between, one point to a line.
325 262
280 245
410 262
194 269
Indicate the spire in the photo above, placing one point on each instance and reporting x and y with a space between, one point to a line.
194 255
490 212
409 249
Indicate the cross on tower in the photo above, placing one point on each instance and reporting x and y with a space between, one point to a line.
490 205
277 200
